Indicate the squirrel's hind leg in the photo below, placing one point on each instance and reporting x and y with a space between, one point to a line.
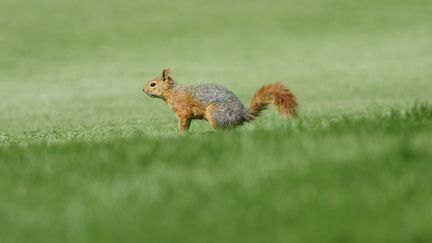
221 115
209 115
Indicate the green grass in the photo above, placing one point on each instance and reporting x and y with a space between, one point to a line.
86 157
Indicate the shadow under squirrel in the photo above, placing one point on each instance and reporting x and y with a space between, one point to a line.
215 103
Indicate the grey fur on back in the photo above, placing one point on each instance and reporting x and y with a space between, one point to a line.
230 111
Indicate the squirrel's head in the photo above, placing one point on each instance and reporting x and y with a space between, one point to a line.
159 87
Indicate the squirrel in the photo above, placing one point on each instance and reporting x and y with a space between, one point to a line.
215 103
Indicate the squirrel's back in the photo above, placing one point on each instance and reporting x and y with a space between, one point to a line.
229 105
212 93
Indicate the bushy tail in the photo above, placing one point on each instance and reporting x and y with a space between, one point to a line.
278 95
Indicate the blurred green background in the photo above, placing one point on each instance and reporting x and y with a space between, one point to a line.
86 157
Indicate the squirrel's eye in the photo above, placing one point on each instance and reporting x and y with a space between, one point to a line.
153 84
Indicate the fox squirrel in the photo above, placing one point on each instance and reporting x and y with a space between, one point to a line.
219 106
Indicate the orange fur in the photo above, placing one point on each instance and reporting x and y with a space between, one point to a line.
185 107
181 102
278 95
209 115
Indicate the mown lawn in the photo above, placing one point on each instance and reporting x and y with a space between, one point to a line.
343 179
86 157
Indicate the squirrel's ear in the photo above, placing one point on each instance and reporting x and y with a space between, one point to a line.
166 74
